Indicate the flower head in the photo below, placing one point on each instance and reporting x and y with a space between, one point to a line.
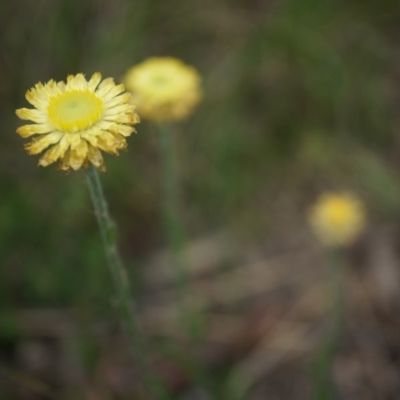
337 219
76 119
164 88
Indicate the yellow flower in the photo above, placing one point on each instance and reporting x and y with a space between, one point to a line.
164 88
77 118
337 219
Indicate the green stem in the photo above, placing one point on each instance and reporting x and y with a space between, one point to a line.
336 264
171 189
324 388
191 318
174 229
124 300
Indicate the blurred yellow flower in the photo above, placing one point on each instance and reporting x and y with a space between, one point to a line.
164 88
337 219
77 118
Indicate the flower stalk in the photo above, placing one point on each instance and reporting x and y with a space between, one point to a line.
337 220
324 364
173 226
124 300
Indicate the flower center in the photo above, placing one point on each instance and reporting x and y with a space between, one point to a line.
75 110
339 213
160 80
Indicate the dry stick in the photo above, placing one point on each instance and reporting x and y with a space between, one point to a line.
124 300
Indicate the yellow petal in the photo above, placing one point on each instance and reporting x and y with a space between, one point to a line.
78 155
108 92
39 95
31 114
114 91
96 158
74 139
77 82
61 85
54 153
91 136
29 130
94 81
122 119
124 130
37 99
51 88
120 99
121 109
64 161
37 145
110 142
105 86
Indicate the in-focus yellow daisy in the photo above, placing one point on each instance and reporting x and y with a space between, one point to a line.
337 219
76 119
164 88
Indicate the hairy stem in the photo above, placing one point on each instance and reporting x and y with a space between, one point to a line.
124 300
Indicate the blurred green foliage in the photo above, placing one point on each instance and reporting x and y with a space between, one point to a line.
288 86
300 96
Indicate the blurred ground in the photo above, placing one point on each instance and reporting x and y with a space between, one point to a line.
300 97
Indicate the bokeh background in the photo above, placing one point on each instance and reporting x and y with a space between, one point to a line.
300 97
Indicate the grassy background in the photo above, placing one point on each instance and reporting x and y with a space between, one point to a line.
300 97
